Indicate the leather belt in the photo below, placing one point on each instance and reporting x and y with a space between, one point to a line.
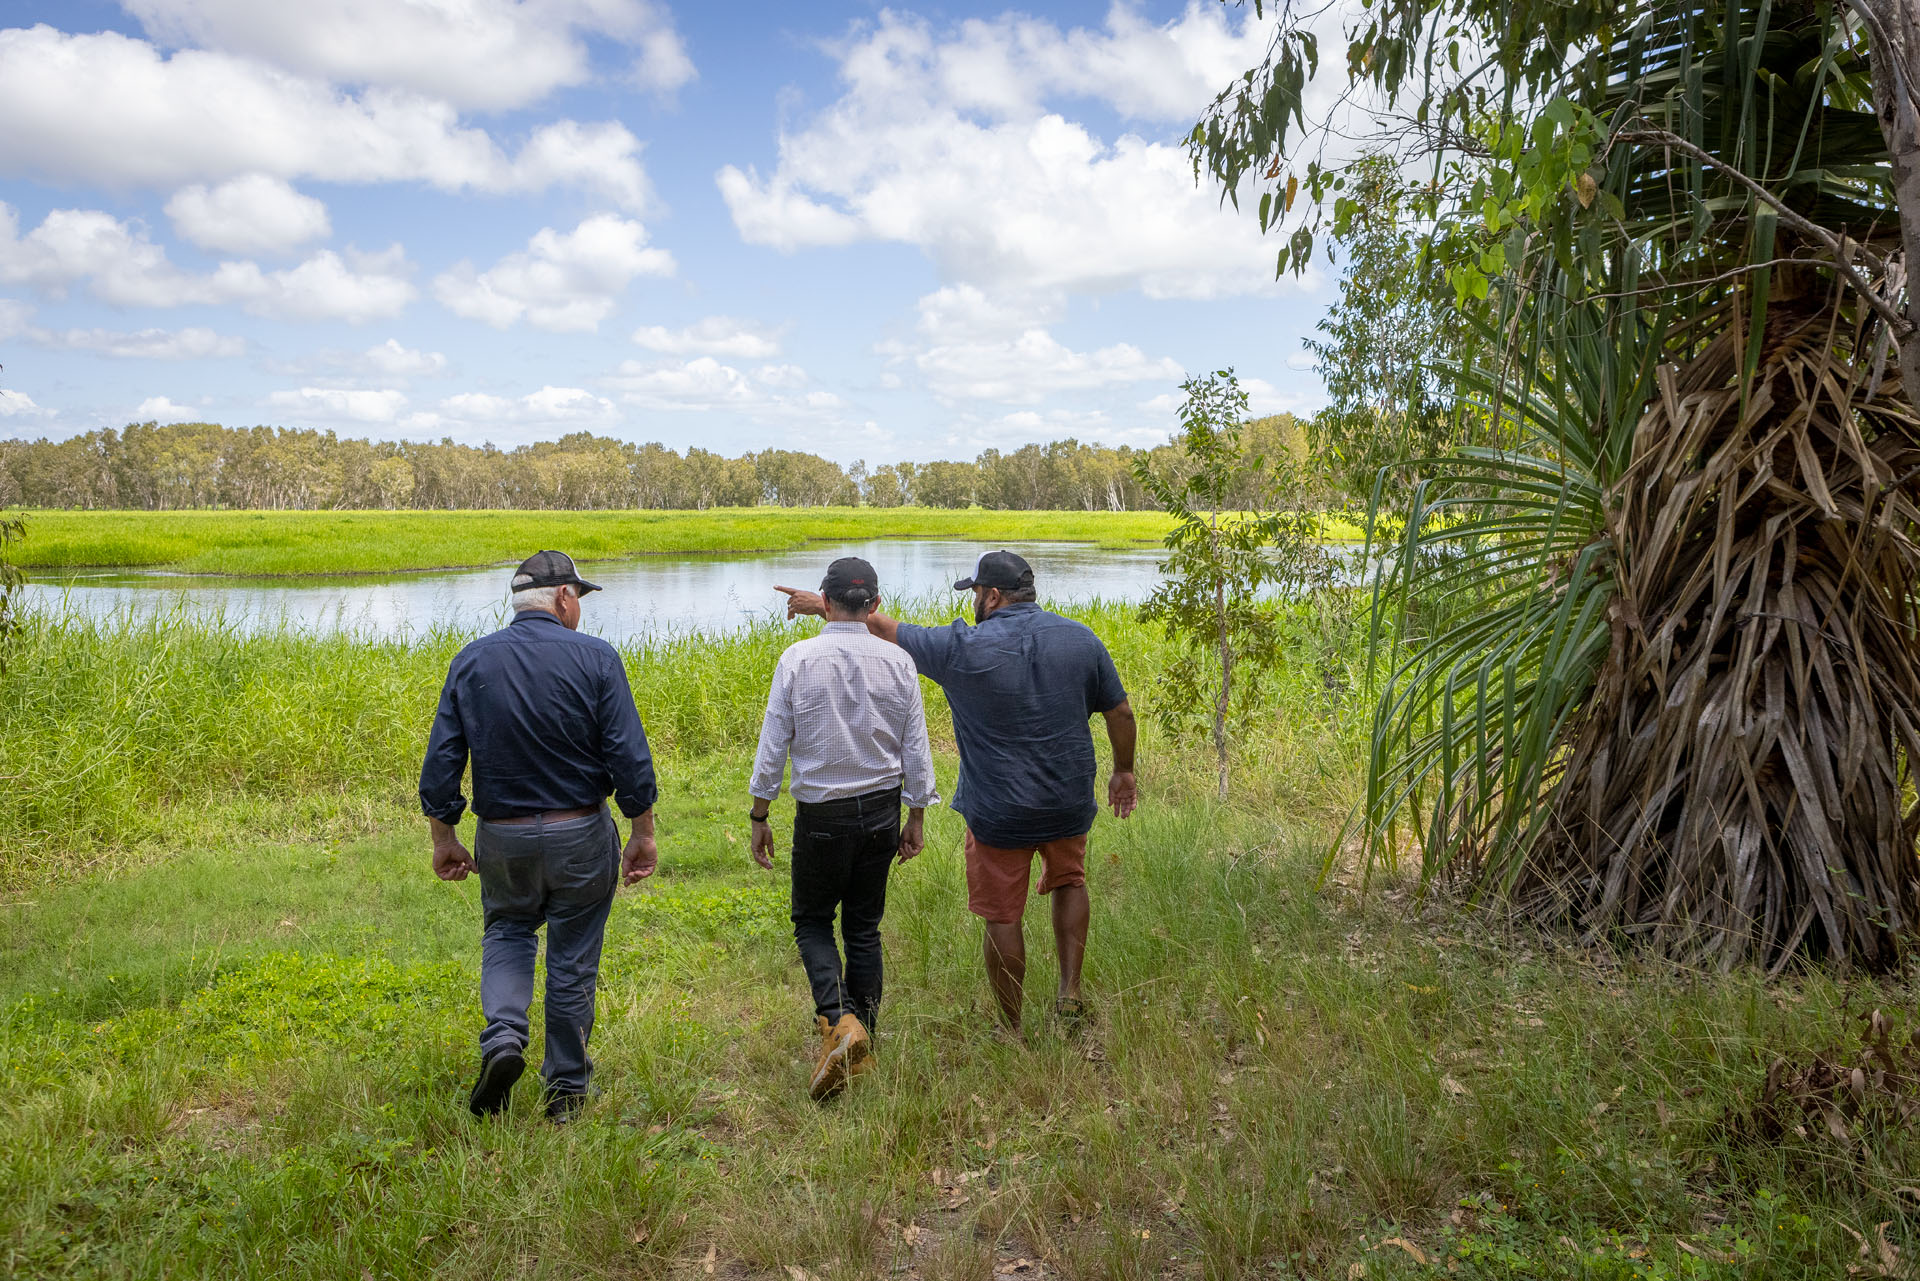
551 816
885 799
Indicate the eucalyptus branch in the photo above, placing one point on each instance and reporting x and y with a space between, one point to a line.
1834 245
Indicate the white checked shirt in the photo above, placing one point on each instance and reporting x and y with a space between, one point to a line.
845 705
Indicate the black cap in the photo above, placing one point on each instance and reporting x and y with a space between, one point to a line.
1004 570
850 578
550 569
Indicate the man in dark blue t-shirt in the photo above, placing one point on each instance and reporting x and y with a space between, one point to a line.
1022 683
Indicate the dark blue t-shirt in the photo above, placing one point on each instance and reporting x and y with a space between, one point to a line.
1021 686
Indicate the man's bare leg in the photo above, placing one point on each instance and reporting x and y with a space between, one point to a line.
1070 912
1006 953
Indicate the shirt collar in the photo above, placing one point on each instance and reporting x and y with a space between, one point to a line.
845 627
534 616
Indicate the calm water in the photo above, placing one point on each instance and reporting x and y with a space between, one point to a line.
645 596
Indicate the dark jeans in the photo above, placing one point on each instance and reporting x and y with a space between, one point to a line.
842 852
563 875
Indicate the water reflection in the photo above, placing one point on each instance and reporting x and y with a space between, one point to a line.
644 597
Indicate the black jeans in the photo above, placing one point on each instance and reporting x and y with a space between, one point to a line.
842 852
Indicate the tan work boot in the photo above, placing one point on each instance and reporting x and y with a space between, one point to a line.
853 1034
844 1052
830 1073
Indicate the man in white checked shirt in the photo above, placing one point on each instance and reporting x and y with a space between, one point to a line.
845 708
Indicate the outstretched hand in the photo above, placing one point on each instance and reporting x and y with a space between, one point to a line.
804 603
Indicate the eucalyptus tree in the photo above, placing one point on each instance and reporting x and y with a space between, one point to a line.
1229 542
1654 650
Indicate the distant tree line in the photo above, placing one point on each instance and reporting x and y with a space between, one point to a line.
151 467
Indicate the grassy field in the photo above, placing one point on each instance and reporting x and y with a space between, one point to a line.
270 543
237 1018
264 543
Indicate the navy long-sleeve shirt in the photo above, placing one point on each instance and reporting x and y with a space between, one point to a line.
547 717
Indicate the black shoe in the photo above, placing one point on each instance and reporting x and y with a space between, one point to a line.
564 1105
498 1072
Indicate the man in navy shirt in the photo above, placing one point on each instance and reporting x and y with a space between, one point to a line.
547 718
1021 683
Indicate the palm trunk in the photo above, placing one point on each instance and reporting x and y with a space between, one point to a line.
1894 30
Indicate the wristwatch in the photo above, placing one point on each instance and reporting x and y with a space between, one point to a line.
760 818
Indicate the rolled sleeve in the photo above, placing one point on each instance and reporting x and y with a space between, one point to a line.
446 762
776 737
623 744
916 757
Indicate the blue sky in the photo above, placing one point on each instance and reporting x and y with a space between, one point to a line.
885 233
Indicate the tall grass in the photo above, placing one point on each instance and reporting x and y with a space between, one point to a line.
146 731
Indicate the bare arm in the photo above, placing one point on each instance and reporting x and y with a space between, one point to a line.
813 605
1122 792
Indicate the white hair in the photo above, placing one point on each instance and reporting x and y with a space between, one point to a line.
536 598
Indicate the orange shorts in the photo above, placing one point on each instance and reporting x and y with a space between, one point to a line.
997 878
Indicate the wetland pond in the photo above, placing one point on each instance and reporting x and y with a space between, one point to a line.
644 597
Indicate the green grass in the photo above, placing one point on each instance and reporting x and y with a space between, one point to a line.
314 542
238 1046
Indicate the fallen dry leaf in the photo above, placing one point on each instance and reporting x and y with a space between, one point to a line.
1419 1255
1453 1087
706 1264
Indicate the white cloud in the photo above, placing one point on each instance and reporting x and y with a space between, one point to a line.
254 214
308 404
122 266
159 409
564 282
572 406
357 288
17 404
1011 65
486 54
108 110
1032 366
946 143
401 362
984 347
191 343
770 393
714 336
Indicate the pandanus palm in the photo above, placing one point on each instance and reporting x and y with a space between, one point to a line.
1658 653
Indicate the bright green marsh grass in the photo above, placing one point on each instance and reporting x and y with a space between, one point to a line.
239 1046
314 542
